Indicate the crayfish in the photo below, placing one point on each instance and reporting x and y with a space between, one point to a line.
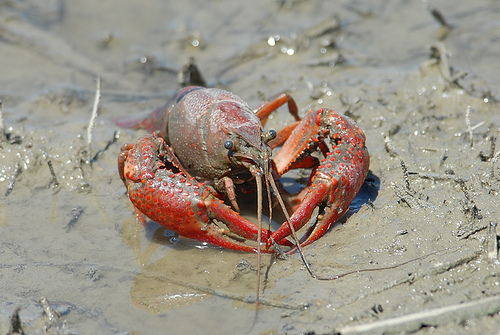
207 142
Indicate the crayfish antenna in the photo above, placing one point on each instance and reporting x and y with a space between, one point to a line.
258 179
294 234
269 200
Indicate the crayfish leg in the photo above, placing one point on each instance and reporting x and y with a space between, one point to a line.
266 108
282 135
226 185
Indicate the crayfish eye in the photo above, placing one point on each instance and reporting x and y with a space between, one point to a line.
228 144
271 134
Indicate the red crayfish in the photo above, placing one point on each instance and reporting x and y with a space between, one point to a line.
207 141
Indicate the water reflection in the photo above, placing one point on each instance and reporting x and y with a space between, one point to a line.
175 273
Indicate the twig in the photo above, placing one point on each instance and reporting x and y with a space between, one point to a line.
493 161
93 118
407 194
389 147
439 52
433 317
477 125
47 309
492 243
488 156
405 175
465 234
54 181
467 122
2 126
17 171
472 213
112 141
53 318
436 14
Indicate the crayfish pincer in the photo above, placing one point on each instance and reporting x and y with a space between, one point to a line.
206 142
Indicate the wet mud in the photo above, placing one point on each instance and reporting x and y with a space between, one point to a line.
416 253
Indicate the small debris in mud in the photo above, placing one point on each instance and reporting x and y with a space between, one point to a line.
190 75
105 39
493 161
4 136
405 175
376 309
2 126
437 15
408 197
112 141
486 157
469 229
471 211
492 243
16 327
407 194
93 274
469 206
13 139
72 217
54 182
469 128
52 318
389 148
244 266
10 187
440 54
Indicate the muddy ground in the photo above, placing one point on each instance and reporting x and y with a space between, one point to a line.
406 71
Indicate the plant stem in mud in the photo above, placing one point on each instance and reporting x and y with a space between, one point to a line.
93 117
